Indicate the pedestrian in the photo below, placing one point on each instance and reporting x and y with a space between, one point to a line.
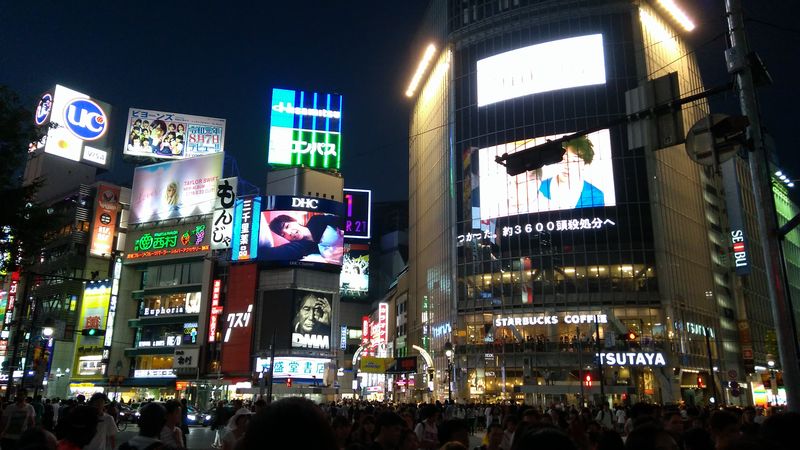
218 423
37 439
105 437
494 438
236 429
17 417
48 417
152 418
341 429
184 425
80 428
171 434
289 423
389 427
427 430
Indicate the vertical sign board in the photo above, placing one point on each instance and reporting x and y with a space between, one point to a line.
733 204
112 310
89 349
383 323
365 331
246 222
216 310
105 220
222 225
238 335
358 215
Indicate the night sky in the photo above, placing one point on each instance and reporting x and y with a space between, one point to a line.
204 59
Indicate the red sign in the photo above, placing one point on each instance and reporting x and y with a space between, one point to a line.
181 385
365 331
105 220
12 298
238 318
215 311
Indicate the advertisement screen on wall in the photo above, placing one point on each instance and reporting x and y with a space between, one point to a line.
105 220
311 326
78 126
175 189
167 135
358 213
554 65
89 349
301 231
583 179
354 279
305 129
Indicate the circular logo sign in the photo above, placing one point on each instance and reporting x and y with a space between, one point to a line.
43 109
105 218
85 119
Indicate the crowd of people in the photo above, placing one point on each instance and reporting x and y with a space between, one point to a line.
79 424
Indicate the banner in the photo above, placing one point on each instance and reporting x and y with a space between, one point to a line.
372 364
105 220
222 225
166 135
311 327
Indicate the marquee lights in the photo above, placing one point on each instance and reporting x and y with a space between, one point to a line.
421 69
677 14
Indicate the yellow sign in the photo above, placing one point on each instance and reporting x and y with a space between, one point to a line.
88 362
371 364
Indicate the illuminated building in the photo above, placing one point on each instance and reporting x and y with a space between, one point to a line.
641 241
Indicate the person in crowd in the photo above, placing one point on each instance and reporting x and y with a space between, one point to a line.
290 423
780 429
17 417
236 430
427 430
546 438
259 405
341 429
650 437
494 438
80 428
152 418
389 426
37 439
510 425
697 439
38 408
454 430
364 432
48 417
171 434
184 425
218 423
724 427
605 417
106 431
606 439
408 440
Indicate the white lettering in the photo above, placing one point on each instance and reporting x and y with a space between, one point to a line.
308 203
300 340
290 109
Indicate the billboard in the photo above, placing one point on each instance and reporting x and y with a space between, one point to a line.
295 367
178 240
354 279
89 349
305 129
554 65
222 225
311 326
105 220
79 126
238 333
175 189
583 179
246 225
167 135
301 231
358 213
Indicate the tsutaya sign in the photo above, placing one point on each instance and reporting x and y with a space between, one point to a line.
632 359
550 320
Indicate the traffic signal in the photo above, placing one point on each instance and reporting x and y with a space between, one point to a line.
700 382
631 336
288 382
587 380
93 332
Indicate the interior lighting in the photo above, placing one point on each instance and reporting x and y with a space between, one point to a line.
677 13
421 69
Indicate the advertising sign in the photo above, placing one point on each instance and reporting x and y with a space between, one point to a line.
166 135
583 179
186 358
168 241
305 232
175 189
373 364
246 226
311 327
358 216
77 121
383 324
354 279
238 334
298 368
305 129
403 365
89 349
651 359
12 299
222 225
43 109
105 220
216 310
733 204
154 373
561 64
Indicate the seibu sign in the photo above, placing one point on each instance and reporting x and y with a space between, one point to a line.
550 320
632 359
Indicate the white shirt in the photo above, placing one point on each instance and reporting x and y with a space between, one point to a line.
17 419
170 436
106 429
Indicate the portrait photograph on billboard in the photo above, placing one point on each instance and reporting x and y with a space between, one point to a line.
175 189
311 325
354 279
583 179
167 135
305 129
301 231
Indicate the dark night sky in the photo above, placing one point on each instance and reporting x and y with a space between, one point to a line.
204 59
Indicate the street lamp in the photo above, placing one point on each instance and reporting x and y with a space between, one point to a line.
773 379
448 352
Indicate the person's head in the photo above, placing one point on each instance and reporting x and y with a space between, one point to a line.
724 427
341 428
310 312
390 426
98 401
454 430
494 434
531 416
37 439
429 413
289 228
545 438
173 412
81 425
511 423
21 395
368 424
158 128
408 440
748 414
287 422
650 437
172 193
152 418
260 404
241 421
697 439
606 440
673 422
779 429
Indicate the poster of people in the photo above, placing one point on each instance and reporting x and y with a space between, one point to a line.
583 179
311 326
175 189
166 135
301 238
354 279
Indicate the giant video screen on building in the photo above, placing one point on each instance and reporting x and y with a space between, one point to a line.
311 325
305 129
583 179
354 279
301 231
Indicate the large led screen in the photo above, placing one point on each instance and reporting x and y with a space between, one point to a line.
175 189
301 231
305 129
354 279
358 216
311 325
167 135
583 179
562 64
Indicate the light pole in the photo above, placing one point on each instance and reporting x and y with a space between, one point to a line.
117 366
773 379
448 352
